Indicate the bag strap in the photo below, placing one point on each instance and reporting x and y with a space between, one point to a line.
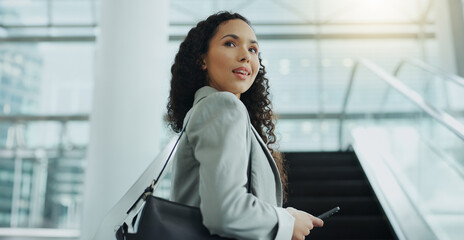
149 190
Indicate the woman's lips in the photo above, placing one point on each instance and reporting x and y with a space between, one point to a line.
241 75
242 72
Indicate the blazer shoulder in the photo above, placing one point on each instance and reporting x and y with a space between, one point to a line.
217 109
221 101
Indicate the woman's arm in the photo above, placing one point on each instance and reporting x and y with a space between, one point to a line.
217 132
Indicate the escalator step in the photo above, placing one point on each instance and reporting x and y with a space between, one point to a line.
326 173
353 227
309 161
324 155
354 188
350 206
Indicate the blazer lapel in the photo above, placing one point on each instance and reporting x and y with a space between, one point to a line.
273 166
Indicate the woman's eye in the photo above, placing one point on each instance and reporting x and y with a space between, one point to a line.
253 50
230 44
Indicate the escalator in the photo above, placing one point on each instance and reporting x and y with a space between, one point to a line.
409 180
319 181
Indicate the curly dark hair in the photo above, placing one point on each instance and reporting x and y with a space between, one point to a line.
188 76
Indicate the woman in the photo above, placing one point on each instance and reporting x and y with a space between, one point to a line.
220 93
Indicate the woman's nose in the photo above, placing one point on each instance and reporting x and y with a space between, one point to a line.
245 58
245 55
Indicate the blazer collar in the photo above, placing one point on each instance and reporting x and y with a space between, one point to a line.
202 93
199 95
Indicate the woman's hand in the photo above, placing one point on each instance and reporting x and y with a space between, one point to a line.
304 223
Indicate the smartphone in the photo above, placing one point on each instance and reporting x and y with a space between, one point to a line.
329 213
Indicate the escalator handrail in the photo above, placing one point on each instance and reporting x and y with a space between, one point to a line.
429 68
442 117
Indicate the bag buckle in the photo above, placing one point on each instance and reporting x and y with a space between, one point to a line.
148 191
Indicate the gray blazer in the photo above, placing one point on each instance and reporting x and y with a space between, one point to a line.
210 171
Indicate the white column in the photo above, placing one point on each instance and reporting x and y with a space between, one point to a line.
445 37
131 65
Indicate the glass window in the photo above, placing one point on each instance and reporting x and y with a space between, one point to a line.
44 79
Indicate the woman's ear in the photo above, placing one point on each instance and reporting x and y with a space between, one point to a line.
203 63
203 66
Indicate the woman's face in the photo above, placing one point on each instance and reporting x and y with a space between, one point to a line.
232 59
